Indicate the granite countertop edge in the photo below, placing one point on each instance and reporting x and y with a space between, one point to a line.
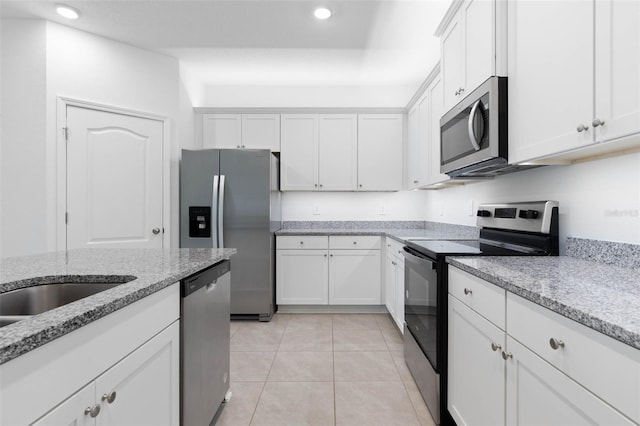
48 326
401 235
606 327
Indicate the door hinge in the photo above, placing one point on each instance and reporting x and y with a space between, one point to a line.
66 217
65 132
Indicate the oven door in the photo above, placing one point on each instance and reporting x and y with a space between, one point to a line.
421 302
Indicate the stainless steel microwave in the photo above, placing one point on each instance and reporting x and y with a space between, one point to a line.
473 135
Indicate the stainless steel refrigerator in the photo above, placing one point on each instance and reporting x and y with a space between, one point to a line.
231 198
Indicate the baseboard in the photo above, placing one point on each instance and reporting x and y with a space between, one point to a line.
332 309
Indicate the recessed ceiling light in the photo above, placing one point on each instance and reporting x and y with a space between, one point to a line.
322 13
67 12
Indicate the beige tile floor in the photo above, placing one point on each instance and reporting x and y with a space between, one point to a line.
324 369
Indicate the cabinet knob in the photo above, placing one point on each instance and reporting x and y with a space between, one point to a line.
461 91
393 263
556 344
301 242
388 245
582 128
315 185
325 255
238 146
320 185
360 185
457 93
495 346
243 146
109 397
468 291
506 355
355 242
416 181
330 255
92 411
155 231
597 122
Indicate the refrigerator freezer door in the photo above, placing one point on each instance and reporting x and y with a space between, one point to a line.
197 173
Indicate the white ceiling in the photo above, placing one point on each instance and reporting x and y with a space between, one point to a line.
366 43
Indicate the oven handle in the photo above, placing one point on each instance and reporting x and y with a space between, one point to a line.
417 259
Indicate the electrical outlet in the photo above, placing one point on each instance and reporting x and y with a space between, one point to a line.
383 210
441 208
316 209
469 207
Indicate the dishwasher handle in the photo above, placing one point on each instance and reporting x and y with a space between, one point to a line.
204 278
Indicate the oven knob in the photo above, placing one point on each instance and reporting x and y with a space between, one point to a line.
528 214
484 213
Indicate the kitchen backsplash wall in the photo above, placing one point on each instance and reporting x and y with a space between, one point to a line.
349 206
598 200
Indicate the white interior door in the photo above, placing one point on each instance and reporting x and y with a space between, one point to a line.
114 180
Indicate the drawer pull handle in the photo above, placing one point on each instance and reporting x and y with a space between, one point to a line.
556 344
495 347
506 355
467 291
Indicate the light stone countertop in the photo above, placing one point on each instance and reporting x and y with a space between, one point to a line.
149 270
603 297
401 235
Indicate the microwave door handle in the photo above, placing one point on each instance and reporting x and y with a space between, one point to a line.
472 136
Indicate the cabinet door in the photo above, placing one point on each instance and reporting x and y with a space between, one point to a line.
299 152
414 146
479 46
551 89
452 63
146 384
539 394
476 372
221 131
337 152
390 285
380 145
354 277
399 317
617 68
261 131
436 109
302 277
71 412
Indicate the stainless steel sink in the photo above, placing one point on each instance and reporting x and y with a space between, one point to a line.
23 303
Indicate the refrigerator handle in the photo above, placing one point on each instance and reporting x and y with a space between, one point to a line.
214 204
221 214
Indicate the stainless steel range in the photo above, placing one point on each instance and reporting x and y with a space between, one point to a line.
509 229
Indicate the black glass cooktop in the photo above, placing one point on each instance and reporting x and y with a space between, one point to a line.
438 248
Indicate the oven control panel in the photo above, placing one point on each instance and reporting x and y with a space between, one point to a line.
534 216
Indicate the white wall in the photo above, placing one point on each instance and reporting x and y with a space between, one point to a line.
403 205
306 96
598 199
77 65
23 227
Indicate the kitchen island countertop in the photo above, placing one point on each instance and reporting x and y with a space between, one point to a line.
603 297
149 270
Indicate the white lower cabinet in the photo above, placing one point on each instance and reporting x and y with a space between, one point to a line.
122 369
140 389
335 270
540 394
567 374
476 383
394 282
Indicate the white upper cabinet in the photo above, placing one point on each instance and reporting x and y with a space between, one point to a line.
261 131
380 146
435 111
470 49
416 147
617 69
221 131
299 156
234 131
550 77
569 90
338 152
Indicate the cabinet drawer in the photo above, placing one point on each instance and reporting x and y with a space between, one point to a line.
607 367
483 297
303 242
356 242
394 247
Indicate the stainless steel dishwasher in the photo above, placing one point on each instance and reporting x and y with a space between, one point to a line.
204 344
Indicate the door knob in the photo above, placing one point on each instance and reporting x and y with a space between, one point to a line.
92 411
109 397
156 231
